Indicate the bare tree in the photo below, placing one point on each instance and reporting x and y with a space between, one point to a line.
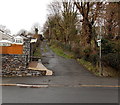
62 21
69 21
89 12
112 19
22 32
4 29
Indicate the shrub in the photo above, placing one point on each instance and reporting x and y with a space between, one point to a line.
107 46
112 59
67 47
87 52
94 59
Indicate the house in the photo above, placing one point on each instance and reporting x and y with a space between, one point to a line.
4 36
15 52
11 46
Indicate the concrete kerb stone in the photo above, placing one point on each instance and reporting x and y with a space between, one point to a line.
92 86
55 85
26 85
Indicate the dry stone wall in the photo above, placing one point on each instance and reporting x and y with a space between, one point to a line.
26 49
13 63
16 63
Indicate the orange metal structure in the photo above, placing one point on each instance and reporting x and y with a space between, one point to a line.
13 49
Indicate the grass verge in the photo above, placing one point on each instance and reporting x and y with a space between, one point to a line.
106 71
45 49
89 66
60 52
37 52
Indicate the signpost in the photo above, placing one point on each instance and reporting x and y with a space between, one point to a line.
99 37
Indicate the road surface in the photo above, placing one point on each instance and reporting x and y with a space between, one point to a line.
72 83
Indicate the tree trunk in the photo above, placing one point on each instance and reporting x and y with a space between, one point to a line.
87 29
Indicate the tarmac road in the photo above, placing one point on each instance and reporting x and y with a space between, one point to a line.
60 95
72 83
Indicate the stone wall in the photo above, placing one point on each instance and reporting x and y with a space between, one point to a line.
16 64
26 49
13 63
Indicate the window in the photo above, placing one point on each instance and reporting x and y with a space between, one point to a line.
5 44
18 41
13 40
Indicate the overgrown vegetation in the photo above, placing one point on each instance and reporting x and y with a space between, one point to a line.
75 27
60 51
37 52
89 66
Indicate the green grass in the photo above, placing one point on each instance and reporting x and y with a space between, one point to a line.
37 52
108 70
60 52
88 66
45 49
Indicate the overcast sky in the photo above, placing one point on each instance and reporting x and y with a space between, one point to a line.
22 14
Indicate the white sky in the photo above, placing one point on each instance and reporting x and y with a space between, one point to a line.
22 14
